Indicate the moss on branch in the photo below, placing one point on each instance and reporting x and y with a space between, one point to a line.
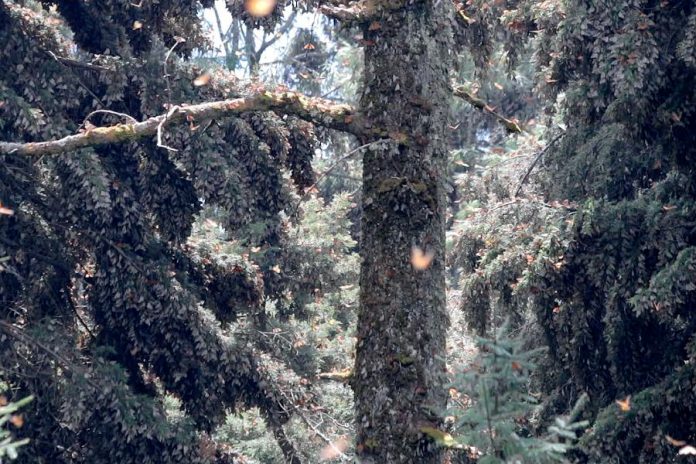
317 111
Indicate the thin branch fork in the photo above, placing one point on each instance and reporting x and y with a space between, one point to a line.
326 439
350 154
317 111
511 125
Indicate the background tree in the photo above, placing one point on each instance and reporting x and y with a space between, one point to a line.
592 259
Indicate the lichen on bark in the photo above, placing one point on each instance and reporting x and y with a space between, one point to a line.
399 374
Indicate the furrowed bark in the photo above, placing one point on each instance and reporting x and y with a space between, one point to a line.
399 374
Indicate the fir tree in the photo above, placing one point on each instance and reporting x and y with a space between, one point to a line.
113 312
602 267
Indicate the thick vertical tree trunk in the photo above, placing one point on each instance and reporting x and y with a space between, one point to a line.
399 372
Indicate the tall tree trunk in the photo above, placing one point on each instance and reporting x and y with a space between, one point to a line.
400 371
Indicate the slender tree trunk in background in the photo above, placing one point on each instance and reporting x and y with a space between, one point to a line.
400 371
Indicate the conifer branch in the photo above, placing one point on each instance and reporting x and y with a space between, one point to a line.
350 14
363 11
317 111
19 335
534 163
79 64
510 124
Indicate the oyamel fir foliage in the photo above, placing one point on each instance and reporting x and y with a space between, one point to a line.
107 305
112 306
599 255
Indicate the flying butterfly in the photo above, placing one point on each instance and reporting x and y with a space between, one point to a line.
259 8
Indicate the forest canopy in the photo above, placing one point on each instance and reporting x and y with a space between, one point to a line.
374 231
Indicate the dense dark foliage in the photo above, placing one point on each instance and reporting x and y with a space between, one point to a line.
136 279
604 262
111 306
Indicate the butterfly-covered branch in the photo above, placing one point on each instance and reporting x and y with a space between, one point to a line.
364 11
346 13
318 111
